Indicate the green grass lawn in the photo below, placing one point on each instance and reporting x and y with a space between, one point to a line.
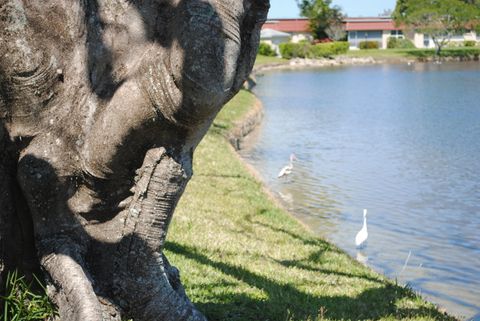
264 60
243 258
389 54
460 52
381 53
402 54
378 54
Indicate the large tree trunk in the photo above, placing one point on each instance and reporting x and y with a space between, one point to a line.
102 103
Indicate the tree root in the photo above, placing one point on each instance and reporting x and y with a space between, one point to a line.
145 278
133 277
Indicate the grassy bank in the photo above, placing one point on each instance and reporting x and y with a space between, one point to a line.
393 55
381 54
386 54
264 60
467 53
243 258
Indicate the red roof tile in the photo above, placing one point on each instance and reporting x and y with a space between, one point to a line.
287 25
352 24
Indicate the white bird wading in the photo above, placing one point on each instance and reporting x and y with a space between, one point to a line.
362 235
287 170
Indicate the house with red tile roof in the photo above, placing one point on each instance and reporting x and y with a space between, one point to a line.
377 29
297 28
380 29
360 29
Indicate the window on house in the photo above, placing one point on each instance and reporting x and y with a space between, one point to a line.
426 41
396 34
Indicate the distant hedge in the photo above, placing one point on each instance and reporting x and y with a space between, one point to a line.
462 53
397 43
368 44
469 43
291 50
265 49
306 50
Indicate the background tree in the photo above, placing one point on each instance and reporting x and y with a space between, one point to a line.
440 20
102 104
386 13
336 31
321 15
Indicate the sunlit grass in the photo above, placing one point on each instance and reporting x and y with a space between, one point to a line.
386 54
264 60
402 54
22 303
225 119
381 53
243 258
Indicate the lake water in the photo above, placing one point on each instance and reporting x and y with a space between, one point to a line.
401 141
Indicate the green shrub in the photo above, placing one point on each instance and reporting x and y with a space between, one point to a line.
465 53
340 47
368 44
291 50
329 49
399 43
469 43
392 43
265 49
453 44
306 50
304 42
421 53
286 50
322 50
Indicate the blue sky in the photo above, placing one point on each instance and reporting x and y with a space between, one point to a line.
353 8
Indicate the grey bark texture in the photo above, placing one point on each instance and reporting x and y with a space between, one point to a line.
102 104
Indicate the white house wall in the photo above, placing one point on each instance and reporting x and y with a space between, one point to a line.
455 39
471 36
385 35
418 40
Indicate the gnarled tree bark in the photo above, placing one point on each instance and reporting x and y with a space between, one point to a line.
102 103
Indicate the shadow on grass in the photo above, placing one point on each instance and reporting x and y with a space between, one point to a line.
315 257
287 302
325 246
299 264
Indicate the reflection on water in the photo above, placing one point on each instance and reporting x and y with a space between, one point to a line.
401 141
362 257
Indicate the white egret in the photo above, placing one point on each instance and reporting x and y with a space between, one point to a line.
286 170
362 235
